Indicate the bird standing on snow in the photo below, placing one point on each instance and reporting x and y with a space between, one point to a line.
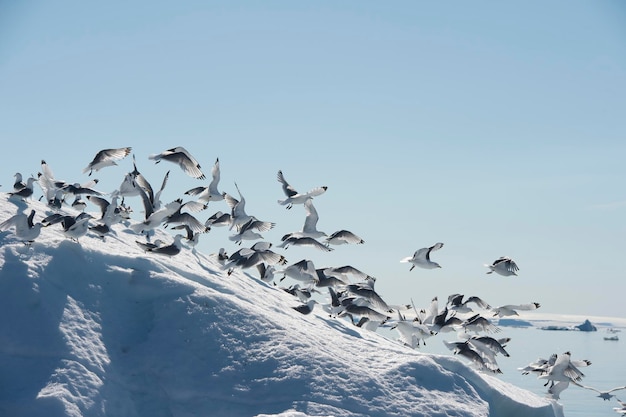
504 266
25 229
106 158
421 258
294 197
182 158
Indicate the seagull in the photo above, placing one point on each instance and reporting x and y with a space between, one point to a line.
310 223
210 193
478 323
564 369
504 266
258 253
303 241
238 215
106 158
178 217
303 271
25 192
411 332
511 310
456 303
482 361
294 197
154 219
218 219
182 158
25 229
168 250
605 395
421 258
247 230
19 182
342 237
73 227
305 308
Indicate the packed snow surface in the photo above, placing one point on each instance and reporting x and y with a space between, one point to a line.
102 328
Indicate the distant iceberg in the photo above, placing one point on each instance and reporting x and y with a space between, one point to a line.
586 326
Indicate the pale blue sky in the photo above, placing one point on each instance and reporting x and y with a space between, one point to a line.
496 128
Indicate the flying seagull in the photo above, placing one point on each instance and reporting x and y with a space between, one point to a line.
294 197
106 158
504 266
182 158
210 193
342 237
605 395
421 258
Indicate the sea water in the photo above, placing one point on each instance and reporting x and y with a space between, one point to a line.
607 369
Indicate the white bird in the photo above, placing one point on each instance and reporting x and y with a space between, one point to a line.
168 250
309 229
74 227
210 193
258 253
19 182
303 241
247 231
305 308
238 215
106 158
25 192
302 271
511 310
605 395
411 332
504 266
182 158
294 197
564 369
343 237
25 229
421 258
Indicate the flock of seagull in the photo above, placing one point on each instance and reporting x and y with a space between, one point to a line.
345 290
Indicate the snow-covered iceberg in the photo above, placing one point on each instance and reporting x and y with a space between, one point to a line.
100 328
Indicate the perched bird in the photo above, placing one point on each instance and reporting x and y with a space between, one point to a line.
74 227
210 193
306 308
421 258
294 197
182 158
504 266
25 192
106 158
342 237
25 229
168 250
19 183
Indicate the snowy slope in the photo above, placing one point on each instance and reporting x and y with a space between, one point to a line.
101 328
